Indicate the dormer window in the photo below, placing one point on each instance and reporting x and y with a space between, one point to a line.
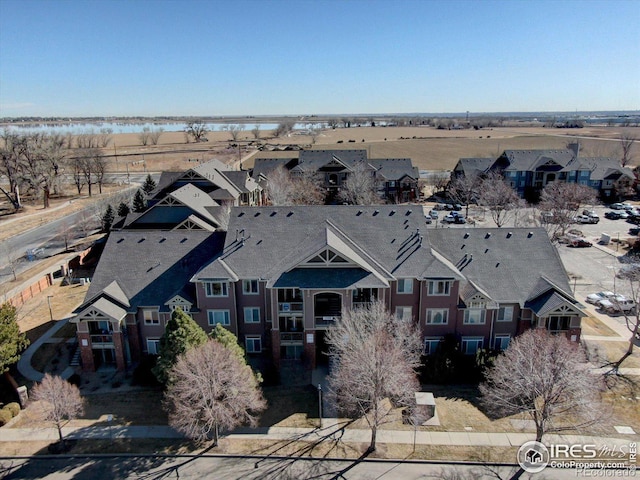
439 287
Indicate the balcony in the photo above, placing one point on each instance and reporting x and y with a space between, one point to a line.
325 322
101 340
291 338
285 307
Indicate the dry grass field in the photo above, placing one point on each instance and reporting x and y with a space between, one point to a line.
430 148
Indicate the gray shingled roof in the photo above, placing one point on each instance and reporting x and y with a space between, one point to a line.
391 240
150 267
312 160
505 263
474 166
263 166
529 160
328 278
394 168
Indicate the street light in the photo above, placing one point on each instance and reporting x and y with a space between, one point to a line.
49 297
320 404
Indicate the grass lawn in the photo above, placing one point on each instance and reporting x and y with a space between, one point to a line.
290 407
593 326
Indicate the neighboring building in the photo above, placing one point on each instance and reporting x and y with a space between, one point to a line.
224 186
529 171
395 178
281 276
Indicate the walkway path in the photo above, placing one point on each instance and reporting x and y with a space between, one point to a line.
24 364
331 431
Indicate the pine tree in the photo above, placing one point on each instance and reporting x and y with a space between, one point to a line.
149 185
230 341
108 218
12 342
181 334
123 210
139 203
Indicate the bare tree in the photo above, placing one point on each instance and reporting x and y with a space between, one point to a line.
155 135
314 133
99 168
464 189
105 137
360 186
375 356
630 273
144 135
235 131
197 130
61 401
10 164
87 140
86 166
499 197
212 389
11 257
546 377
284 189
41 157
255 131
626 144
284 128
561 202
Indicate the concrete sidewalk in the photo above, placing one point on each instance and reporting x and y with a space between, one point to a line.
331 431
24 364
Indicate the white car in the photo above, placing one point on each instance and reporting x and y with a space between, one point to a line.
617 303
596 298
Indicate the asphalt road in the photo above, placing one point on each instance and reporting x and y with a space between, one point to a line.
227 468
48 238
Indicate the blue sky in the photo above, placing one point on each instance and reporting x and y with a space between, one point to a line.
204 57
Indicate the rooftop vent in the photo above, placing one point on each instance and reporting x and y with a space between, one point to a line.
359 213
488 235
392 213
273 214
530 235
141 240
376 212
240 214
184 240
509 234
466 235
120 240
162 240
257 214
408 213
289 214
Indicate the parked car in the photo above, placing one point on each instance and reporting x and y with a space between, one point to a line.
596 298
433 214
611 215
427 219
579 243
457 207
634 231
623 215
616 206
627 206
595 218
618 304
454 217
439 206
585 219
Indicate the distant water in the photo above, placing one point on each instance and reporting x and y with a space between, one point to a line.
116 127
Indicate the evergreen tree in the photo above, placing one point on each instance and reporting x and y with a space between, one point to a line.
123 210
139 203
12 342
149 185
108 218
230 341
181 334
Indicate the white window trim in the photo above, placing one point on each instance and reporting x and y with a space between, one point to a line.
252 337
501 337
430 340
431 312
404 313
250 318
248 282
483 316
507 308
404 282
224 287
211 317
151 321
431 288
154 341
468 340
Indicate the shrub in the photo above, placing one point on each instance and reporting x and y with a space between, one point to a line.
13 407
5 417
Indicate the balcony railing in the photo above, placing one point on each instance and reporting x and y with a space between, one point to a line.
326 321
284 307
101 339
291 338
